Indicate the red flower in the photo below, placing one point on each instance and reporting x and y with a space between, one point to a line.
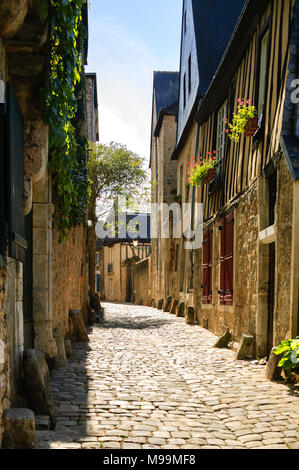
226 131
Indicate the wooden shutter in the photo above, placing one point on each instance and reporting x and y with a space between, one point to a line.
227 260
15 162
207 266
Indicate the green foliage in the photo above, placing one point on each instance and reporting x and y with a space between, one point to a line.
290 348
177 198
197 172
63 97
114 171
240 119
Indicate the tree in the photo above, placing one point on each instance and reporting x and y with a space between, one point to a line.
114 171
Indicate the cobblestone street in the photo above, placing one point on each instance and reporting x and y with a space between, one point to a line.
147 380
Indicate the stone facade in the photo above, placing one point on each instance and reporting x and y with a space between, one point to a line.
142 284
117 270
69 277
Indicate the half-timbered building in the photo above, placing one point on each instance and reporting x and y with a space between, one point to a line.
245 278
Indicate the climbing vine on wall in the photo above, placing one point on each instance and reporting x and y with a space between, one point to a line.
64 98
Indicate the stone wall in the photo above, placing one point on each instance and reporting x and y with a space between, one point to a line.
284 222
69 276
142 287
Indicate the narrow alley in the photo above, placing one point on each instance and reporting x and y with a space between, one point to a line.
147 380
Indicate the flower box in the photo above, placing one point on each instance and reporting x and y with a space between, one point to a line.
210 176
251 126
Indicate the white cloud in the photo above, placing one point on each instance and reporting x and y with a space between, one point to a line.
124 67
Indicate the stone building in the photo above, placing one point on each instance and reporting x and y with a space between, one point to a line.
39 277
116 259
163 173
245 276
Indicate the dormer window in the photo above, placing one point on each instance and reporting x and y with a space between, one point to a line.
185 22
184 90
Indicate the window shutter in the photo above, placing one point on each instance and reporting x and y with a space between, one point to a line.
15 160
207 266
227 260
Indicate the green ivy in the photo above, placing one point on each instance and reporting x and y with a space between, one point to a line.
64 99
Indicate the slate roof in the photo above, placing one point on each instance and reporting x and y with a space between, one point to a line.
214 23
288 141
166 89
131 219
165 92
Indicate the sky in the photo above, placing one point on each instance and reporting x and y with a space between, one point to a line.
128 40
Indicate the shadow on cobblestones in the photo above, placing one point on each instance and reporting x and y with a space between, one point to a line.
139 323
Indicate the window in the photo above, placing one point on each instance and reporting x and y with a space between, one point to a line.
221 134
227 260
263 72
184 90
207 265
110 287
98 283
189 75
97 259
185 22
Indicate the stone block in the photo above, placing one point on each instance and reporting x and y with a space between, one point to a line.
68 348
205 323
19 428
167 304
190 317
174 306
160 304
42 423
273 372
60 359
92 317
80 330
246 347
223 340
181 310
37 380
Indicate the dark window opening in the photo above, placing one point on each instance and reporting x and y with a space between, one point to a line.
185 22
184 90
189 75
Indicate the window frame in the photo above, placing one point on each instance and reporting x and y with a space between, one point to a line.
265 29
220 131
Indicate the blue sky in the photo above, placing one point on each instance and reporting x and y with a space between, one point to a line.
128 40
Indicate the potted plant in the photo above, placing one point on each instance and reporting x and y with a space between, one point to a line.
204 171
245 120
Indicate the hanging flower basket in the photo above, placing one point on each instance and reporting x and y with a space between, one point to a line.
251 127
245 118
210 176
202 172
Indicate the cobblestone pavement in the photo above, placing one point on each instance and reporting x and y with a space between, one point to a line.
147 380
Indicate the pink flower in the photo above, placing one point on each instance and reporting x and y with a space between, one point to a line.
242 103
239 100
248 102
